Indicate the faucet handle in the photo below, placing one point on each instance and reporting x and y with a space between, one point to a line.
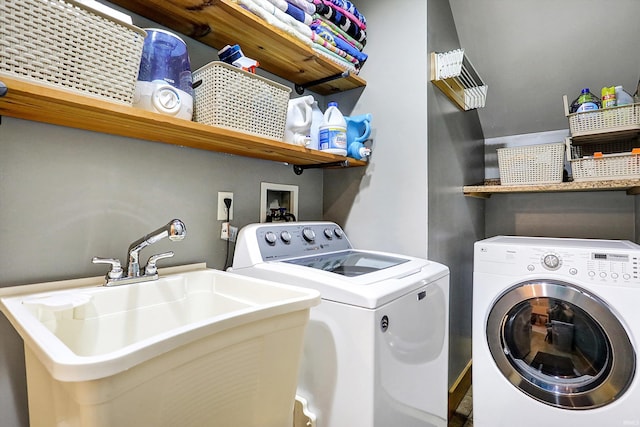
151 267
116 271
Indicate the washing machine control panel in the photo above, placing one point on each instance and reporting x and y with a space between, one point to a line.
290 239
602 266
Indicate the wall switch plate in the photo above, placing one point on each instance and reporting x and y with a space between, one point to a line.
222 209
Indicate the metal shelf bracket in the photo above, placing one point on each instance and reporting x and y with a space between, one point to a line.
298 169
301 87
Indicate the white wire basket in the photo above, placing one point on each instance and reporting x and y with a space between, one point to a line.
531 164
229 97
67 45
625 117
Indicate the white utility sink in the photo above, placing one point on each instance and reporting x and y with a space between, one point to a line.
187 349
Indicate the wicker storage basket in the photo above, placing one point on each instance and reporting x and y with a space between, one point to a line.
605 161
229 97
605 120
65 44
531 164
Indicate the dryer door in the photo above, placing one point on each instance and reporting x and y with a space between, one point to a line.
560 345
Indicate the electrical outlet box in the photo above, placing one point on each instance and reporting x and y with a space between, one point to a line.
224 231
222 208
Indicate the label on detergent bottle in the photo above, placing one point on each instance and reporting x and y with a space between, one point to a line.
587 106
333 138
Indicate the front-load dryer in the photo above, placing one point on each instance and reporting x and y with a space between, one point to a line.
376 348
555 332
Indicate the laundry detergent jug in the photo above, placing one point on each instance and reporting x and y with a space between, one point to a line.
164 79
358 131
298 126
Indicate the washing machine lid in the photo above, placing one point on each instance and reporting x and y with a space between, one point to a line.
350 263
370 289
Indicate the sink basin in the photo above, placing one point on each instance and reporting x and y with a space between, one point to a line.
186 349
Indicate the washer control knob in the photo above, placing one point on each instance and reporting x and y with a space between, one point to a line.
551 261
573 271
271 238
614 275
308 234
626 276
338 232
592 273
328 234
603 274
285 236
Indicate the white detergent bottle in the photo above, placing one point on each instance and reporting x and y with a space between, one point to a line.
333 131
317 116
298 125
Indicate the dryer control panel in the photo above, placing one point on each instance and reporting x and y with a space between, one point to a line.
613 262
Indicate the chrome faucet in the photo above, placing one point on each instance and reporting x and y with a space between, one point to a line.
174 230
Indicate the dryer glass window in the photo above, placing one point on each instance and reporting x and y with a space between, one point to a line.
560 345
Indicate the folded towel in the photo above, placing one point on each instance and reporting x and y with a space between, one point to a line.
279 19
334 49
337 6
347 6
307 6
348 26
338 32
292 10
326 33
335 58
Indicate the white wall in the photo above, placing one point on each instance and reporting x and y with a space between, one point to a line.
384 206
409 198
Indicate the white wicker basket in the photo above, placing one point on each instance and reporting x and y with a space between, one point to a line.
531 164
230 97
609 166
65 44
604 120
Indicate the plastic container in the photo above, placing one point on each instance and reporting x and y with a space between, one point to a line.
531 164
585 102
70 46
608 97
333 131
229 97
622 96
316 120
298 125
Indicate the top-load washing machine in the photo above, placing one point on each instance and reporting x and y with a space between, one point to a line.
555 332
376 348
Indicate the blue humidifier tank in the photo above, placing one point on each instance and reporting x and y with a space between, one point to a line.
164 79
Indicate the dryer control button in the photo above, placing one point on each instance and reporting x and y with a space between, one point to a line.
603 274
614 275
551 261
573 271
530 267
592 273
626 276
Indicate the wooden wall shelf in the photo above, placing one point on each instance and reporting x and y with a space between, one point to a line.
218 23
631 186
25 100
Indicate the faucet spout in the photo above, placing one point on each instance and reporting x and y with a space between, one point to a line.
175 230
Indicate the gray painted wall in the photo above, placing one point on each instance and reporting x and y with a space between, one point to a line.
67 195
409 198
455 158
